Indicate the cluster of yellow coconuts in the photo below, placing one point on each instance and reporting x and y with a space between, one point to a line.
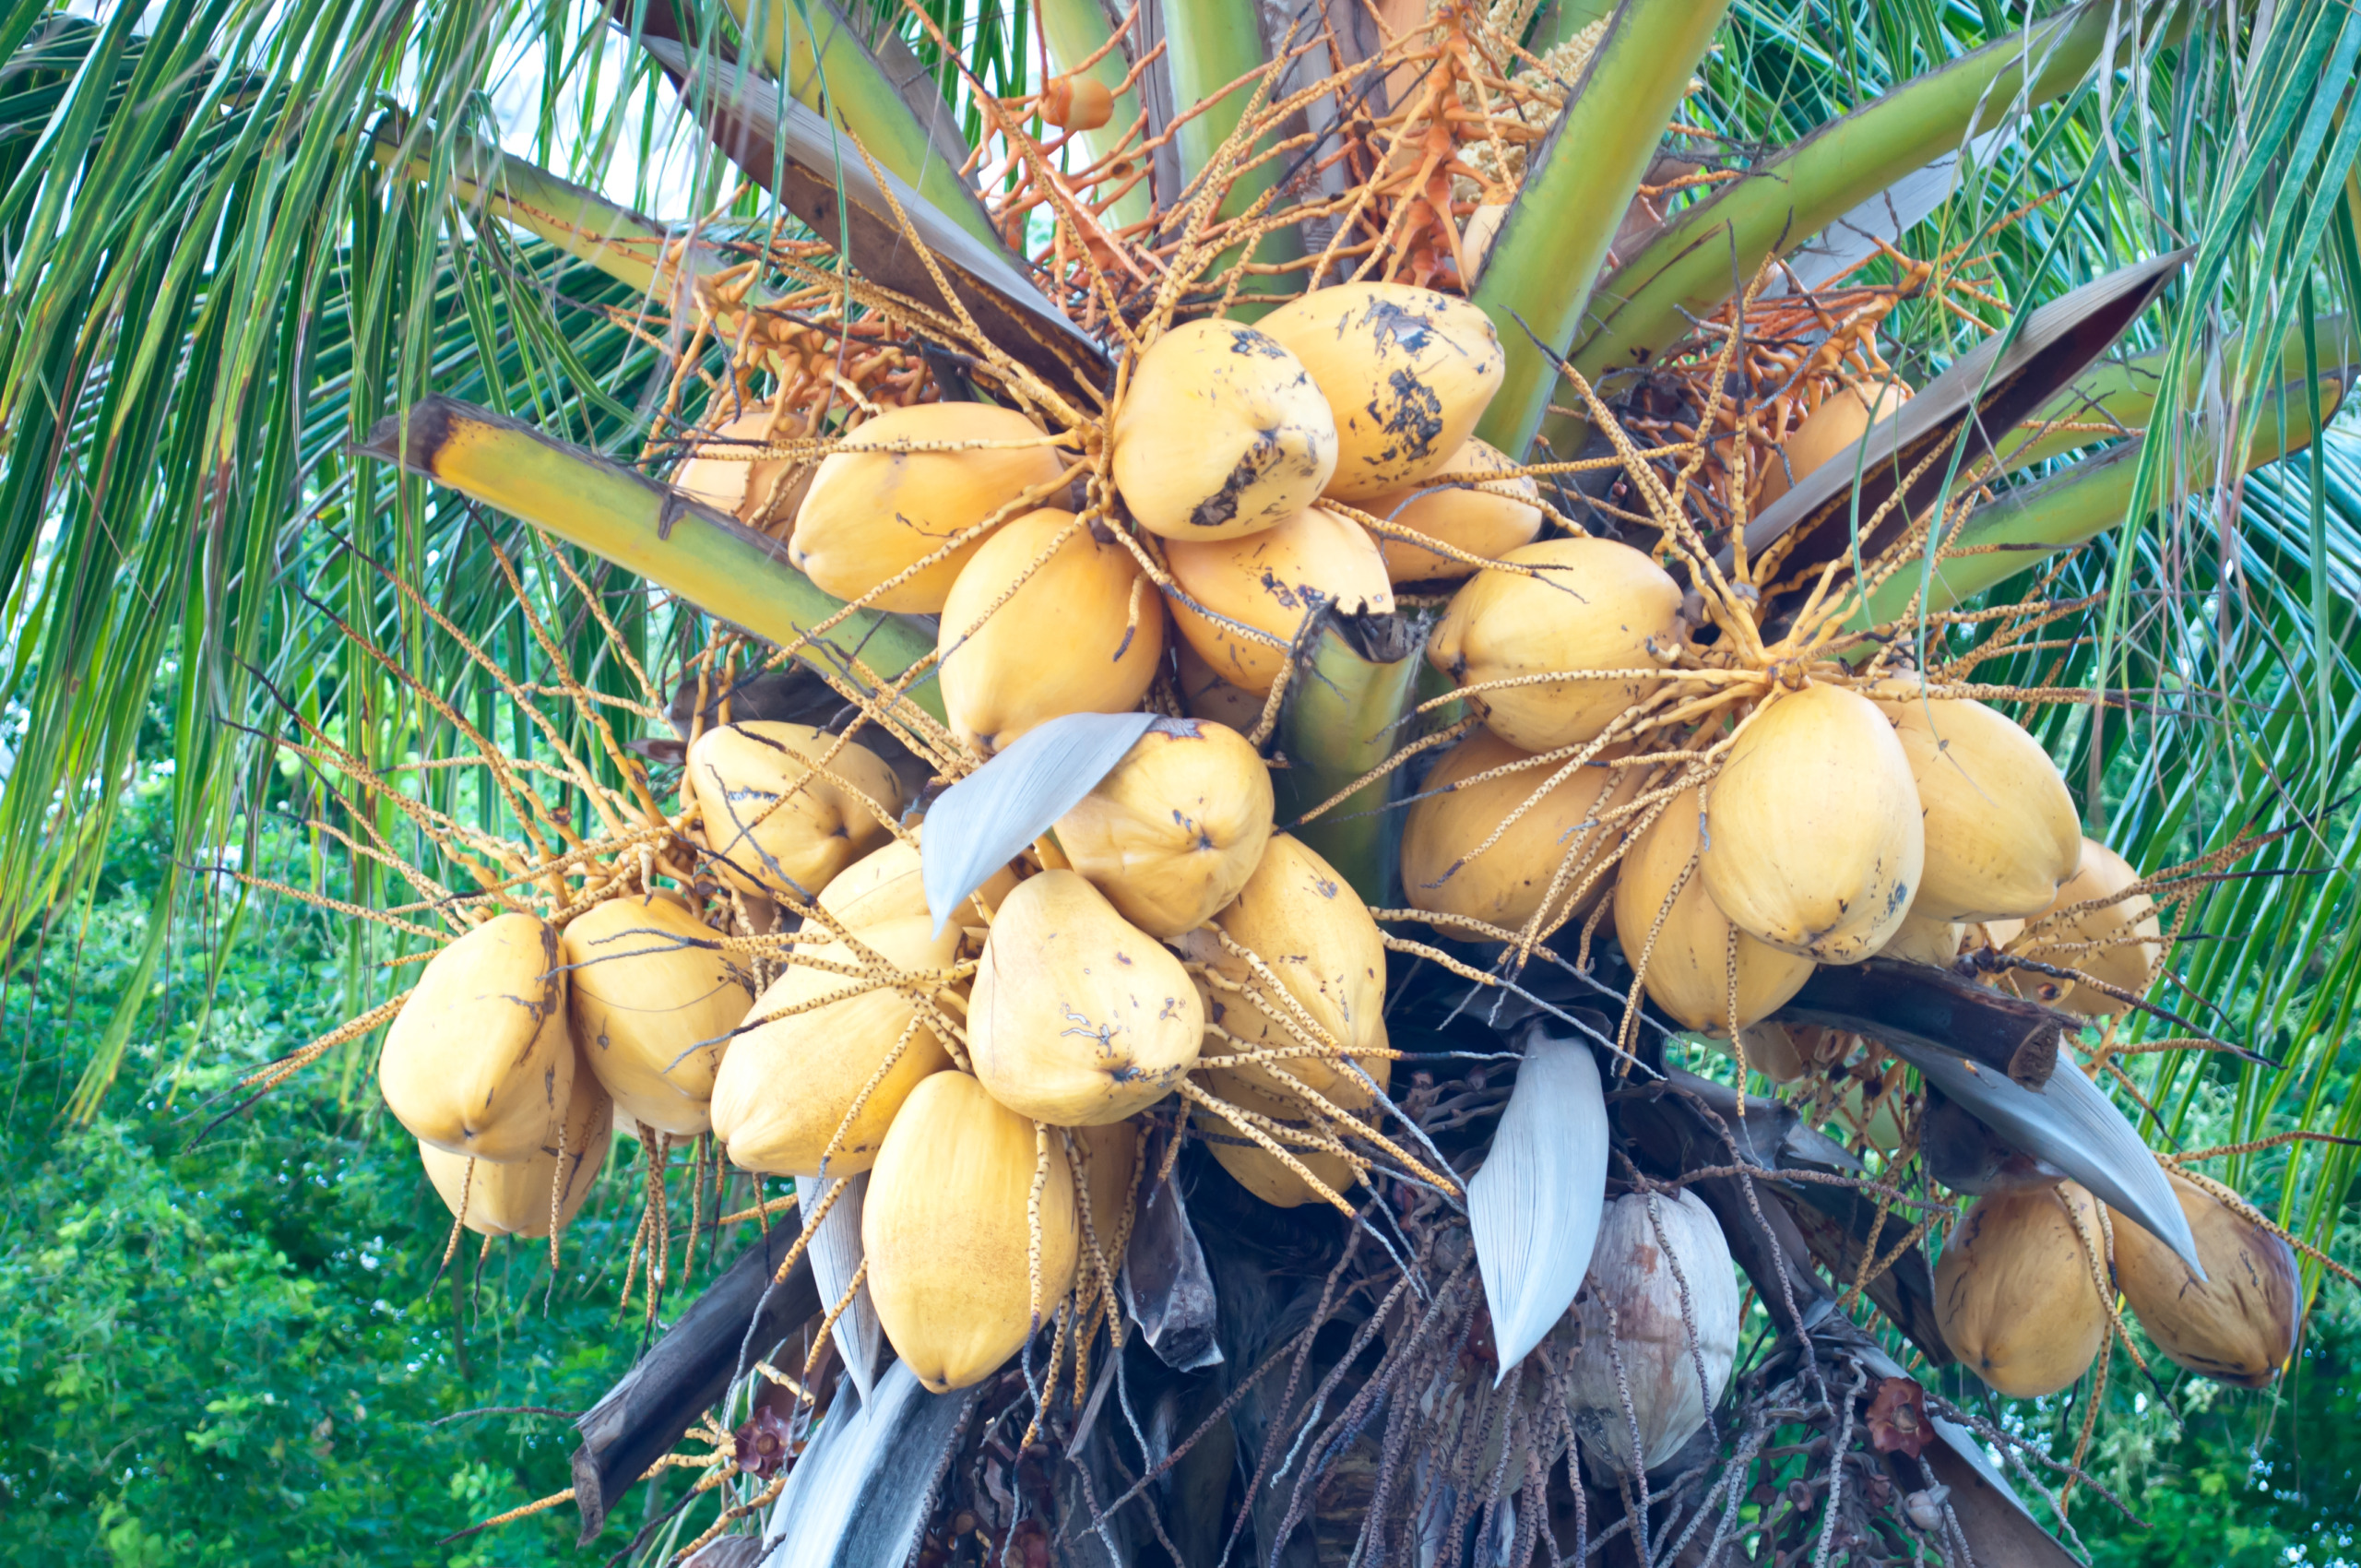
2024 1288
986 1069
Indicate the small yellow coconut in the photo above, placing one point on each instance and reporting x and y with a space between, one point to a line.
792 1087
1265 1174
874 511
1204 694
1409 372
1309 932
1690 959
1813 837
2015 1294
2119 942
2238 1325
1077 1017
515 1199
1589 605
2001 831
1476 239
1083 635
1835 427
731 474
1480 522
775 826
1222 434
479 1061
1077 103
1173 832
1270 581
1923 939
887 885
1504 886
958 1272
654 1002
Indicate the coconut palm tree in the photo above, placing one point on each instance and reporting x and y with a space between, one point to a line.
346 369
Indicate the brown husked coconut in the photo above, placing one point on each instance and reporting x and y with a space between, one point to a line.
731 473
1176 827
1814 842
905 484
1271 581
654 1002
1653 1249
1835 427
480 1062
2119 942
2002 833
1408 372
1770 1050
1084 633
2238 1325
1596 611
1484 523
774 825
1222 434
947 1227
1506 884
1691 958
814 1077
1309 932
515 1199
2014 1292
1079 1017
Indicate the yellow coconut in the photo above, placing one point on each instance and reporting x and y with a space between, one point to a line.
1923 940
515 1199
1077 103
729 473
1079 1017
1270 581
2002 833
480 1062
874 511
2239 1325
1204 694
653 1005
1222 434
1409 372
792 1087
1481 523
1835 427
1173 832
2014 1292
1506 884
1592 605
1309 929
1813 839
957 1270
1690 959
2119 942
1265 1174
1083 635
887 885
775 826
